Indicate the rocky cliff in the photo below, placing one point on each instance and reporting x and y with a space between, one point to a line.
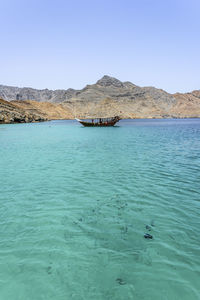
31 111
11 113
107 97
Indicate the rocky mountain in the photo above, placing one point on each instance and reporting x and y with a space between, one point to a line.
10 93
11 113
31 111
187 105
51 111
108 97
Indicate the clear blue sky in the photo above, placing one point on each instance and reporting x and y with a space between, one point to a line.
58 44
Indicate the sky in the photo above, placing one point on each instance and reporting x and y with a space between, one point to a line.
60 44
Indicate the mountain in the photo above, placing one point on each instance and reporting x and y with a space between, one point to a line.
108 97
51 111
31 111
11 113
15 93
125 98
188 104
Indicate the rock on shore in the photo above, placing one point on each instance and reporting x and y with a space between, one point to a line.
31 111
10 113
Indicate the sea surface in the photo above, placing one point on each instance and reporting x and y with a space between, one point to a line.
76 202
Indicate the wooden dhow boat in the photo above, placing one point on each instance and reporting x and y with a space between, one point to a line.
99 122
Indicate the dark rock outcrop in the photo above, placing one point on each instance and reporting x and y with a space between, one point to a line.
31 111
10 113
110 81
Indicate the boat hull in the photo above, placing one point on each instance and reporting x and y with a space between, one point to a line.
106 124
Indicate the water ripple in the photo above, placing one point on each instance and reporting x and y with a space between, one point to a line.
75 205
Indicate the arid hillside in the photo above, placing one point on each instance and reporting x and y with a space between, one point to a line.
187 105
107 97
51 111
11 113
31 111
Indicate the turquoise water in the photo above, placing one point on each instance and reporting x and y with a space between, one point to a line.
75 202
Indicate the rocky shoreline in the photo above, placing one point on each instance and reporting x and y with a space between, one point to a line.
31 111
10 113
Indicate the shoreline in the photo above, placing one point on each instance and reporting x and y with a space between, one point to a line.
150 118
